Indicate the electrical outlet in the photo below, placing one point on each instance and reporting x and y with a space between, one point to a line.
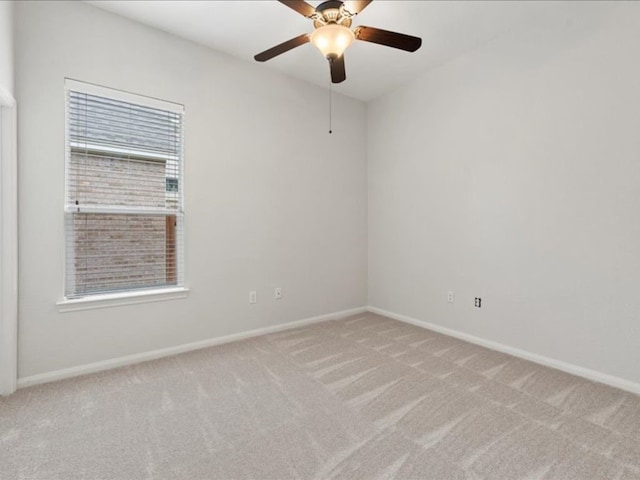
478 302
450 296
277 293
253 296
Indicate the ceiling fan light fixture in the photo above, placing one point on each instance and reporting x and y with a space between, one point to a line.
332 35
332 39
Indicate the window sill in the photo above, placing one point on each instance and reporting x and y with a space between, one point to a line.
118 299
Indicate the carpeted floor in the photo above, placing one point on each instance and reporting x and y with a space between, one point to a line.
361 398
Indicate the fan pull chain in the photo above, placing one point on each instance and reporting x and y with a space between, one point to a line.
330 102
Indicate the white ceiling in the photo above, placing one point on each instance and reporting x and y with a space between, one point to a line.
448 29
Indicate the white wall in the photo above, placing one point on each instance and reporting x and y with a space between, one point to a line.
6 45
513 174
269 201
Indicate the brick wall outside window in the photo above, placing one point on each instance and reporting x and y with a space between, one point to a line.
147 240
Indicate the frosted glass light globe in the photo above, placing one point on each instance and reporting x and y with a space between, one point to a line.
332 40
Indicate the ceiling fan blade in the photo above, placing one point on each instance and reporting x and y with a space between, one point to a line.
300 6
389 39
283 47
354 7
338 73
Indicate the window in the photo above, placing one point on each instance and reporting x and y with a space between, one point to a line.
124 192
172 184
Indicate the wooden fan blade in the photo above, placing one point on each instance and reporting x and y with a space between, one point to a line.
389 39
300 6
354 7
338 73
283 47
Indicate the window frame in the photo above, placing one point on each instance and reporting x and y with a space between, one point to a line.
134 295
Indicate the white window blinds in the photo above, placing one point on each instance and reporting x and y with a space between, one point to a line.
124 192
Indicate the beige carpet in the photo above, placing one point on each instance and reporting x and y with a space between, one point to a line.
361 398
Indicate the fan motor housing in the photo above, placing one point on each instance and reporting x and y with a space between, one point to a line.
331 12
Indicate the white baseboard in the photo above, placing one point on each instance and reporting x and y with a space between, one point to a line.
187 347
587 373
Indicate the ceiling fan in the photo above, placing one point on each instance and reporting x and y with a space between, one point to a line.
332 35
